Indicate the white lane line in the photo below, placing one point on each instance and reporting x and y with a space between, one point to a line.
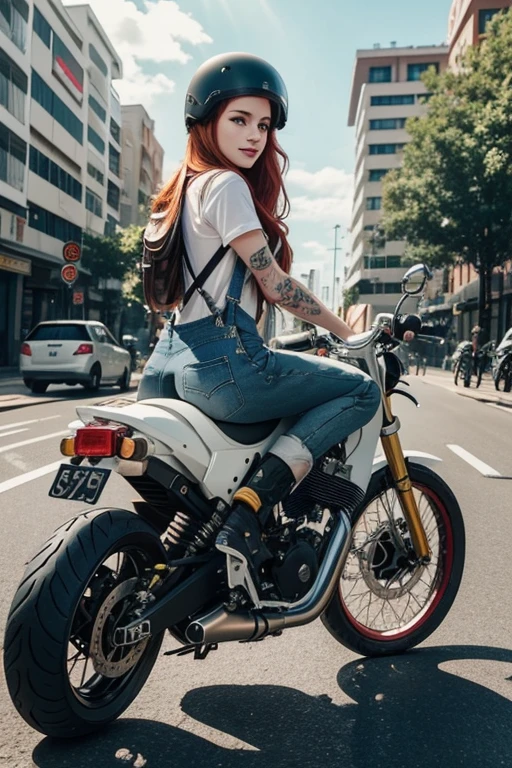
502 408
31 421
483 468
13 432
5 448
7 485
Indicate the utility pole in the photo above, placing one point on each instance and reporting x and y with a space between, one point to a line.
335 249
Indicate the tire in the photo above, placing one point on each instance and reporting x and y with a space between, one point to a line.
458 366
95 379
504 373
39 387
124 381
364 640
56 592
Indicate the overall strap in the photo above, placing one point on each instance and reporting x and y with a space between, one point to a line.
200 280
237 281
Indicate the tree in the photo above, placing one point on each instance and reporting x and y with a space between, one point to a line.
131 246
452 197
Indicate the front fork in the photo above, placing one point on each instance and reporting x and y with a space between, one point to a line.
396 461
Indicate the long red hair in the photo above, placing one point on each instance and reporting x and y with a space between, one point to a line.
265 181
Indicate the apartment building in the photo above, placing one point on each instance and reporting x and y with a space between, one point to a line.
59 157
142 158
466 24
386 91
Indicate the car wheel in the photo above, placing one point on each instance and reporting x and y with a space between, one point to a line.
39 387
95 380
28 383
124 381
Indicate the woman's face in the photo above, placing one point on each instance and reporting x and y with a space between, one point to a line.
242 130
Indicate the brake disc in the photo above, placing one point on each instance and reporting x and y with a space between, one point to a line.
387 548
102 649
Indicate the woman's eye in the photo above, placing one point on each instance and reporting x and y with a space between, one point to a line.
264 127
238 120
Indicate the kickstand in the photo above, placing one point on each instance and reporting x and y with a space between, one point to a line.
199 651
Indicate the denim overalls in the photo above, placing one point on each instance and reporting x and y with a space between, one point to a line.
221 365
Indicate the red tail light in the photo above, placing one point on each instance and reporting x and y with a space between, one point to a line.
25 349
84 349
98 440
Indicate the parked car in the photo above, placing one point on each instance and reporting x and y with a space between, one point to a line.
73 352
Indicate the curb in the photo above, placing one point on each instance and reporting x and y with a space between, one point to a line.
471 394
25 401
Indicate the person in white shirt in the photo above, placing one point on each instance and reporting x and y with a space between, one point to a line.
229 200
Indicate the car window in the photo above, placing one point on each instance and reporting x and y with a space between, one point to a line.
58 332
110 338
98 333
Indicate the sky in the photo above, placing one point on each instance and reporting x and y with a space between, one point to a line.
312 43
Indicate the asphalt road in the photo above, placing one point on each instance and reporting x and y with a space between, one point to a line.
301 699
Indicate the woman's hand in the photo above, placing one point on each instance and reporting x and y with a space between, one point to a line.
409 336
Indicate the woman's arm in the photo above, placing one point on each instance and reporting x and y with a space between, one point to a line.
280 288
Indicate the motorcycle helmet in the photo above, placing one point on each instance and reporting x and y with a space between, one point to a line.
229 75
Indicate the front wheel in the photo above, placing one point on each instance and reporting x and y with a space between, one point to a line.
503 377
65 674
386 602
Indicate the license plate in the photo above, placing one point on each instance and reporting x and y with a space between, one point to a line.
84 484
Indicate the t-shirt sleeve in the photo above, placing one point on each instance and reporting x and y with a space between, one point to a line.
229 208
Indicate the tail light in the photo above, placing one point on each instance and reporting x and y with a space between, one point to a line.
98 440
84 349
25 349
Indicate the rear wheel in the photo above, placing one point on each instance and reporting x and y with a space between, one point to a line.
39 387
386 601
503 379
124 381
95 379
65 675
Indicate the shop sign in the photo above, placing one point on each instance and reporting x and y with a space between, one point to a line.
78 297
69 273
12 264
71 252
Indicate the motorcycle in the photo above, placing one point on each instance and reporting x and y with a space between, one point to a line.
372 544
502 369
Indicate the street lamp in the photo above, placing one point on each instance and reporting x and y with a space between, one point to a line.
335 249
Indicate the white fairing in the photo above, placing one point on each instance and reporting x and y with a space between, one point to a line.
192 443
426 459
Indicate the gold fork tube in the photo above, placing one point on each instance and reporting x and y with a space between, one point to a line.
396 461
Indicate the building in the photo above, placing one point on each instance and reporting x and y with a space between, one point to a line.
103 162
386 90
142 159
58 114
466 24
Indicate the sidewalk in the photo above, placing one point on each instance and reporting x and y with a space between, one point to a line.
14 394
486 392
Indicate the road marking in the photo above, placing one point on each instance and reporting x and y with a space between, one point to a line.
13 432
5 448
483 468
502 408
7 485
31 421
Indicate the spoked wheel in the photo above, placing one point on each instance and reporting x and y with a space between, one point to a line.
503 380
387 602
66 672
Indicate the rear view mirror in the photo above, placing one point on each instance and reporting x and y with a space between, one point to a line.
414 280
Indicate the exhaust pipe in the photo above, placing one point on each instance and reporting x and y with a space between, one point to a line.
220 626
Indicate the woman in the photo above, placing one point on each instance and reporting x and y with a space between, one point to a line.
230 196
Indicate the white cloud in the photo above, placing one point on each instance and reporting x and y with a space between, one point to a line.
154 35
328 199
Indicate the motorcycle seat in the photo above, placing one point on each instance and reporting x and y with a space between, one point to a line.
247 434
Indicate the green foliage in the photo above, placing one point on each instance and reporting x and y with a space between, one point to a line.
452 198
350 296
116 257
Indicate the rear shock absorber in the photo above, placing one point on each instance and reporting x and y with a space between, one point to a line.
185 535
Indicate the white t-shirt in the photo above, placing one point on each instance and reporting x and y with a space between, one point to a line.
225 211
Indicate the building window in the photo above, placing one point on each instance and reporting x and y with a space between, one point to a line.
50 224
392 288
42 28
110 226
484 17
54 174
392 101
142 198
115 131
96 140
49 101
13 87
415 71
377 174
373 203
114 160
369 227
95 174
393 261
96 59
385 149
98 109
387 124
67 69
380 75
13 158
374 262
113 195
93 203
13 22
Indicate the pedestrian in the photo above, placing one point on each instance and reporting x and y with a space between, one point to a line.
229 198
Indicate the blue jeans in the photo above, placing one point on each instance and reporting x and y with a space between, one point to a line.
228 373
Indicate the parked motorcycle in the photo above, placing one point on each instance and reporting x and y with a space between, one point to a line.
374 545
502 370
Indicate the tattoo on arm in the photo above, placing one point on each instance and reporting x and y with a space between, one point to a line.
262 259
